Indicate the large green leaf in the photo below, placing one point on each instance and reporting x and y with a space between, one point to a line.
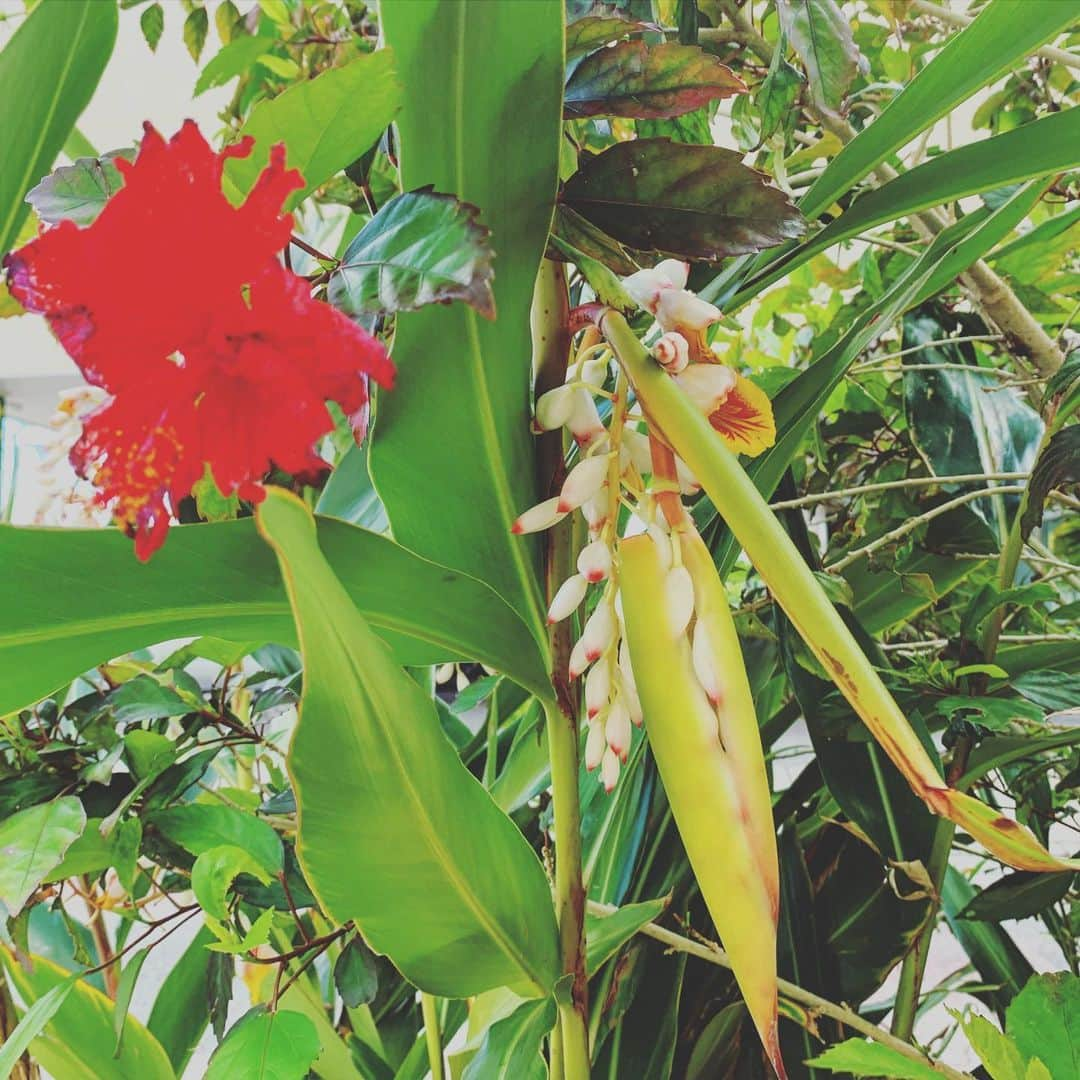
198 827
1004 33
872 1059
421 248
1044 1022
437 877
78 1042
452 455
325 123
48 72
92 601
700 202
632 79
33 842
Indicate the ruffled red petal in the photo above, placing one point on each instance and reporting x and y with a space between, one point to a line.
213 353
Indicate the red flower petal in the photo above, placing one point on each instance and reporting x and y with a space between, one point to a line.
213 353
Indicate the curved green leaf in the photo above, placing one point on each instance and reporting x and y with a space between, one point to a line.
78 1042
1044 1022
437 877
700 202
452 456
50 68
34 1019
420 248
92 601
265 1045
511 1049
32 843
79 191
633 79
181 1011
198 827
321 122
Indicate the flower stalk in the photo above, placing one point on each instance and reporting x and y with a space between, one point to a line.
796 590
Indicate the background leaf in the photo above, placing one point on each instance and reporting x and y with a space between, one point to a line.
511 1049
319 124
699 202
51 66
1044 1022
872 1059
263 1045
420 248
633 79
32 843
821 35
421 828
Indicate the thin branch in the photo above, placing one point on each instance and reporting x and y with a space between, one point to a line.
913 523
888 485
958 18
925 345
713 954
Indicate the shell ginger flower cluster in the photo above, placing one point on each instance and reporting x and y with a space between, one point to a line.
619 467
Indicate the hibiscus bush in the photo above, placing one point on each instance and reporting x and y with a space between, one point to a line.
567 565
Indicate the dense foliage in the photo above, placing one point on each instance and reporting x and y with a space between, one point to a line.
623 273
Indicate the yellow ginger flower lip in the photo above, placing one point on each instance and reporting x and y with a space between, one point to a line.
745 419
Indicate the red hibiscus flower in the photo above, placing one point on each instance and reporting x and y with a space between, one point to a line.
213 354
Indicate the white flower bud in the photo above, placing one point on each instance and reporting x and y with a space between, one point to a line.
705 663
539 517
677 309
645 286
564 603
554 408
679 597
597 688
583 481
593 372
672 353
594 745
599 631
594 561
633 704
578 661
637 446
625 667
707 385
617 729
609 770
663 545
596 510
584 421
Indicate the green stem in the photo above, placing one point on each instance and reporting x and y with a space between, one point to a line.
430 1010
551 346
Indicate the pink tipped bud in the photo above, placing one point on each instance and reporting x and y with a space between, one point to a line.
539 517
594 561
594 746
566 600
633 705
599 631
625 668
554 408
609 770
597 688
672 353
679 597
677 309
707 385
583 481
596 510
617 730
705 663
663 545
636 446
578 661
584 421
